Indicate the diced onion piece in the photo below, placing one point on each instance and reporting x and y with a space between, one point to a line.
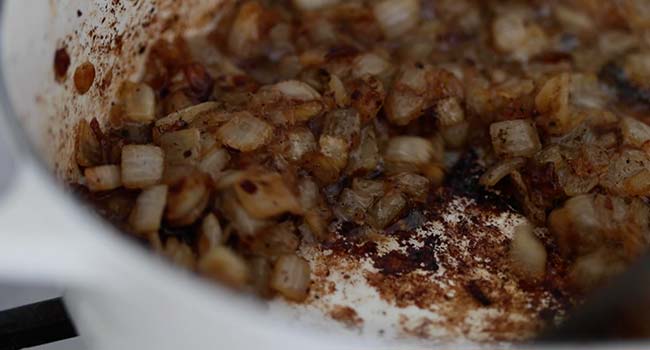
103 178
179 253
368 95
515 138
139 102
456 135
310 5
591 270
629 162
370 64
396 17
214 162
527 253
210 234
299 141
638 184
296 90
265 195
337 88
352 207
224 265
187 200
635 132
317 220
278 240
387 210
291 277
309 193
242 221
148 210
407 154
187 116
435 173
514 34
500 170
324 168
449 112
142 165
245 34
245 133
260 268
88 151
181 147
576 221
365 157
416 187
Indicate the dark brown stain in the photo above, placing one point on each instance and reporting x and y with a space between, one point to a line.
61 63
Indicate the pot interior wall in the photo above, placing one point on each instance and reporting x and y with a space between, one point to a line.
112 35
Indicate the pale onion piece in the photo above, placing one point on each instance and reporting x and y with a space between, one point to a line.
229 178
260 268
573 20
245 33
139 102
638 184
241 220
521 38
455 136
408 98
449 112
291 277
266 194
635 12
210 234
224 265
387 210
147 213
576 221
179 253
500 170
515 138
310 5
296 90
342 123
245 133
337 88
336 149
622 166
309 193
616 42
181 147
103 178
527 253
317 220
592 270
407 153
88 150
396 17
214 162
299 141
365 157
142 166
186 200
188 115
415 186
635 132
278 240
573 184
370 64
553 101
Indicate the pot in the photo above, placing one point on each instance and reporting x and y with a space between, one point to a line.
119 295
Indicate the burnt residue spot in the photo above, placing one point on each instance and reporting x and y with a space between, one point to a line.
61 63
84 77
79 13
187 153
398 263
477 293
463 180
341 51
248 186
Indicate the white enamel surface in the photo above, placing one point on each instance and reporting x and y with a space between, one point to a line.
120 296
